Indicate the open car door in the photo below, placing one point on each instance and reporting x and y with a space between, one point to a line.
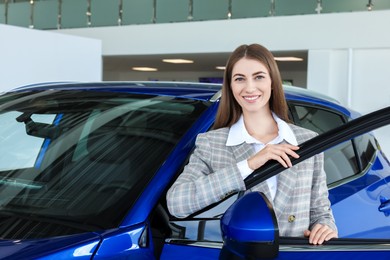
249 227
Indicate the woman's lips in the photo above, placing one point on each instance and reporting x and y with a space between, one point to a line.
251 98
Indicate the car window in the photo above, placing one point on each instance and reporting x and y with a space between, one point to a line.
366 148
315 118
83 157
25 153
340 162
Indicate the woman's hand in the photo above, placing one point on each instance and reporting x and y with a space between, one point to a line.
319 234
278 152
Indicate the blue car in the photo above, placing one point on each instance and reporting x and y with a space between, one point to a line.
84 169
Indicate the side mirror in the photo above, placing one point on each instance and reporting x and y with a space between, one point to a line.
250 229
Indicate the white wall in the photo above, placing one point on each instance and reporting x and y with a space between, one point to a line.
371 85
370 79
357 77
30 56
348 52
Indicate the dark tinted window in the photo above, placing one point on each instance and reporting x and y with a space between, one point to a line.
340 161
316 119
83 157
366 149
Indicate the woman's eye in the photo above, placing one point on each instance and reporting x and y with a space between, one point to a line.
239 79
259 77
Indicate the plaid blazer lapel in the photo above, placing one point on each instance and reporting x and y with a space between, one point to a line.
244 151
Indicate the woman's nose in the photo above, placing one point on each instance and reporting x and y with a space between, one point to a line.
250 86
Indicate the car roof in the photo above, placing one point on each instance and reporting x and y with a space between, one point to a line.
315 98
199 91
191 90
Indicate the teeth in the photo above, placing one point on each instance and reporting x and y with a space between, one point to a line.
251 98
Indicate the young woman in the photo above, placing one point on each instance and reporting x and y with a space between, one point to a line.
251 128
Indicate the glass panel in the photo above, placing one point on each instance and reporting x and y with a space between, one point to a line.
24 153
172 11
289 7
334 6
74 13
366 148
137 11
104 13
381 4
19 14
197 230
340 162
45 14
99 152
316 119
250 8
210 10
2 13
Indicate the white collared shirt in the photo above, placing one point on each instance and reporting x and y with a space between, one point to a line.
238 135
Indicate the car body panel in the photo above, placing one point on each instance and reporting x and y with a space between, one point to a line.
78 246
124 243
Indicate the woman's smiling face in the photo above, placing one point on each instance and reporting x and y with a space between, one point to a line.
251 85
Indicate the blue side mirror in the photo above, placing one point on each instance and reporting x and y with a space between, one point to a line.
249 229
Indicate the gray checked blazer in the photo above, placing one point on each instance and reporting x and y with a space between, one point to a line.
301 198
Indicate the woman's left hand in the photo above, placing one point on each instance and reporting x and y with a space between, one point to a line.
319 234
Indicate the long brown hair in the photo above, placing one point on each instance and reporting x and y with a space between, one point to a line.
229 110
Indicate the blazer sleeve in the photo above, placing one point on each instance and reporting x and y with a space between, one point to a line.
210 176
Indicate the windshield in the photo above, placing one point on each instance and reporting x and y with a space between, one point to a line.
81 158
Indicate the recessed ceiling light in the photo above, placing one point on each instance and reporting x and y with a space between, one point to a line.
144 69
220 67
288 59
177 61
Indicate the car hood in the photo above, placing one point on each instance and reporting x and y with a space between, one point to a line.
81 246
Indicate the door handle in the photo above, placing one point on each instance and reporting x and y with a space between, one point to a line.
385 205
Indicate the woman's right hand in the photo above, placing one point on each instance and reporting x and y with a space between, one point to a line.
278 152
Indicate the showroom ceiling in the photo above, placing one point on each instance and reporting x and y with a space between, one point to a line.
202 62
